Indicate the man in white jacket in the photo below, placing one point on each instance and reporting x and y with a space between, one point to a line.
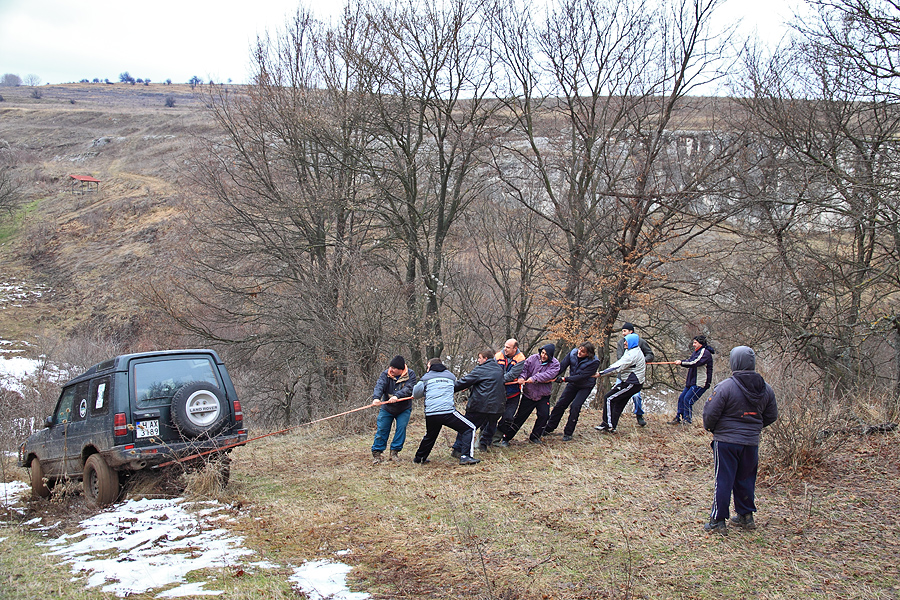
631 369
436 386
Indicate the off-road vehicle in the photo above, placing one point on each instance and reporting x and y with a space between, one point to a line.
134 412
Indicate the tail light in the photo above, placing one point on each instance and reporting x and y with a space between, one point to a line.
238 413
120 424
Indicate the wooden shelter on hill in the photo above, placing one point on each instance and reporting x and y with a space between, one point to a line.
84 184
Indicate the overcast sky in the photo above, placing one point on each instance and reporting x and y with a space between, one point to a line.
68 40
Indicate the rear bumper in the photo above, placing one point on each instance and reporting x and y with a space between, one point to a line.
123 457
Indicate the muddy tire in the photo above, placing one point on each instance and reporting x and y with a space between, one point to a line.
198 409
39 489
101 483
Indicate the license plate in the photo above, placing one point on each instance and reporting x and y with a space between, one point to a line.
145 429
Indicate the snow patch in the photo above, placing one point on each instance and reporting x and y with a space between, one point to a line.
325 580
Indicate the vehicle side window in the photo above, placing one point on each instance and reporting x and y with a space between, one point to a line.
64 408
155 382
80 405
98 401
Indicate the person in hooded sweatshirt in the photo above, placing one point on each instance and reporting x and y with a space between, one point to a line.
736 413
692 392
631 368
537 379
436 386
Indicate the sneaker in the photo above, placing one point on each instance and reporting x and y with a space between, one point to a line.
603 427
535 441
675 421
567 438
503 444
549 432
376 457
745 521
395 456
719 527
484 448
421 461
468 460
455 453
640 421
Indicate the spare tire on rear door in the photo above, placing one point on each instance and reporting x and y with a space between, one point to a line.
198 408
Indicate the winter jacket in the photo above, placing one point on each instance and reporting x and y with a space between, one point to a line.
741 405
402 387
513 368
541 374
436 386
488 394
703 356
632 367
581 370
644 346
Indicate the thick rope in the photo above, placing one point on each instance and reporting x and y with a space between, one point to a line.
347 412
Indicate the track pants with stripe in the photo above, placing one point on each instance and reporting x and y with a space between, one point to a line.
736 467
614 401
482 421
453 420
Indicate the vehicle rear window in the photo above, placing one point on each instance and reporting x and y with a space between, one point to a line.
156 381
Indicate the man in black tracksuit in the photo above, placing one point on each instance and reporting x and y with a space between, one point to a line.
487 399
582 363
736 413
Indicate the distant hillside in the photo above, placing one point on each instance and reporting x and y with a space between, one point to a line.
96 252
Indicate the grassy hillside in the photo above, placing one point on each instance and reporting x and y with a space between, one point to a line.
598 517
97 252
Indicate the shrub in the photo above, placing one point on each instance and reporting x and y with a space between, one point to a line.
37 94
1 98
800 439
10 79
170 101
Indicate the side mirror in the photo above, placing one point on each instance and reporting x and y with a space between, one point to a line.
48 422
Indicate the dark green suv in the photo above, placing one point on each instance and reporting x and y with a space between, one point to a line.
133 412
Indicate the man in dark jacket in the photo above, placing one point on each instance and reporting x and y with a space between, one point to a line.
692 392
487 400
582 363
395 383
736 413
637 399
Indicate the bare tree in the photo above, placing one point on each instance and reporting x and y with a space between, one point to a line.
32 80
432 78
821 226
599 93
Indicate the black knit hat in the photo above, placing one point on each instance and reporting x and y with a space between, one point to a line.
628 326
398 362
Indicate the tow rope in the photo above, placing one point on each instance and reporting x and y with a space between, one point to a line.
347 412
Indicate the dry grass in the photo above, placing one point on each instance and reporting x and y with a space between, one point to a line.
599 517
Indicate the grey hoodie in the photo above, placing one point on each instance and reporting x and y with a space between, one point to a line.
741 405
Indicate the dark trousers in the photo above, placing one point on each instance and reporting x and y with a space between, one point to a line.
570 397
614 402
481 421
503 424
736 467
455 421
526 406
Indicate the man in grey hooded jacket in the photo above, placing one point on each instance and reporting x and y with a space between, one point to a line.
736 413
